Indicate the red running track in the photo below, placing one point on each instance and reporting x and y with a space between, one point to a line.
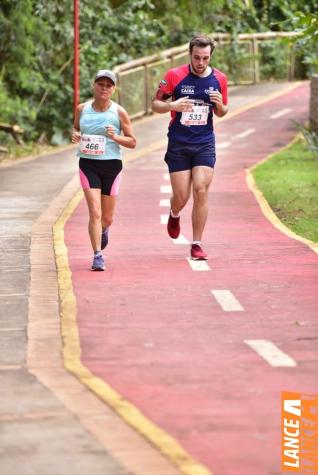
150 327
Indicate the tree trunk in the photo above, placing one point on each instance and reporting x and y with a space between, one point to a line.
313 114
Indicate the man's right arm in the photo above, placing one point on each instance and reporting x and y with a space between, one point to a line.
184 104
163 102
161 106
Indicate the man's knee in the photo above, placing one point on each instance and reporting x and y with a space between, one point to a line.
180 199
200 193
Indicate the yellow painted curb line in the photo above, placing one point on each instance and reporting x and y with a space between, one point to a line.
160 439
265 207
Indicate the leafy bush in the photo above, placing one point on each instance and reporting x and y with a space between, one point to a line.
312 140
305 22
36 46
310 137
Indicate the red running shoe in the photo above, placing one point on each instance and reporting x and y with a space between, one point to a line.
173 227
197 253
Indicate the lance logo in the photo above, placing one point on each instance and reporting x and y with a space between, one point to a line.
299 433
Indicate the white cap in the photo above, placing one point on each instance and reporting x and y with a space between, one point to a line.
105 73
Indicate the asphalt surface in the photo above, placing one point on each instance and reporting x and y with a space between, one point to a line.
40 432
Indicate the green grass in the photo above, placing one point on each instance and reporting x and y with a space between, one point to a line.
289 182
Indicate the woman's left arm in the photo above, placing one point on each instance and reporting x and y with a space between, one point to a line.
128 139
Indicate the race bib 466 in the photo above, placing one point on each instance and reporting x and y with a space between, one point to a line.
93 145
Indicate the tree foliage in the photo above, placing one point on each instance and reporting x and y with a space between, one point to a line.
306 23
36 45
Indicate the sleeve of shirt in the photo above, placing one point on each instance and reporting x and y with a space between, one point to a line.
223 84
165 89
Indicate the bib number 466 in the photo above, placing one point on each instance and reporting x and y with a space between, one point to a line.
93 145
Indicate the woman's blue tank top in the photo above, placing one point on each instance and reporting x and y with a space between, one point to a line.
93 123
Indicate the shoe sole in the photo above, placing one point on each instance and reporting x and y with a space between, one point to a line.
98 268
199 258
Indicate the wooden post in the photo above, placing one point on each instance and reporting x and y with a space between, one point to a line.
146 89
291 63
256 60
313 114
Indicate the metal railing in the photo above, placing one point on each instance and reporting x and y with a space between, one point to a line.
242 59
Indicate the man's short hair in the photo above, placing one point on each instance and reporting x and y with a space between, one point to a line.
201 41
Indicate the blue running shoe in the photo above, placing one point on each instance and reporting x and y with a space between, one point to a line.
104 240
98 262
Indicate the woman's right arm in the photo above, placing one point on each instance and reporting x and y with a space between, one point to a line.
76 134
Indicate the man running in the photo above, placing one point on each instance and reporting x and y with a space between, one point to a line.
192 93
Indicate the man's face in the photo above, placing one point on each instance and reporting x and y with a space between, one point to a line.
200 58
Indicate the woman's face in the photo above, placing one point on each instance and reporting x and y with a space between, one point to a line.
103 88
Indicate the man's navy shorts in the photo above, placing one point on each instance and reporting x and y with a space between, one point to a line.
183 156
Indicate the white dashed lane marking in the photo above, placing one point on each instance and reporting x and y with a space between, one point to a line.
180 240
198 265
244 134
223 145
280 113
271 353
227 301
165 189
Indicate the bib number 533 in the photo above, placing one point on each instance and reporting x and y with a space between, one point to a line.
198 116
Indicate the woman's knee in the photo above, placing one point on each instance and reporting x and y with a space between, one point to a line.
107 219
95 214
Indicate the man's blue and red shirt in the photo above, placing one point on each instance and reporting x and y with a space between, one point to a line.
181 82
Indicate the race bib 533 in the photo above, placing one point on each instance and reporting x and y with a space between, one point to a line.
198 116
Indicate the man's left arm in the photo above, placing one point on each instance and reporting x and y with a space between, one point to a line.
219 98
220 109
